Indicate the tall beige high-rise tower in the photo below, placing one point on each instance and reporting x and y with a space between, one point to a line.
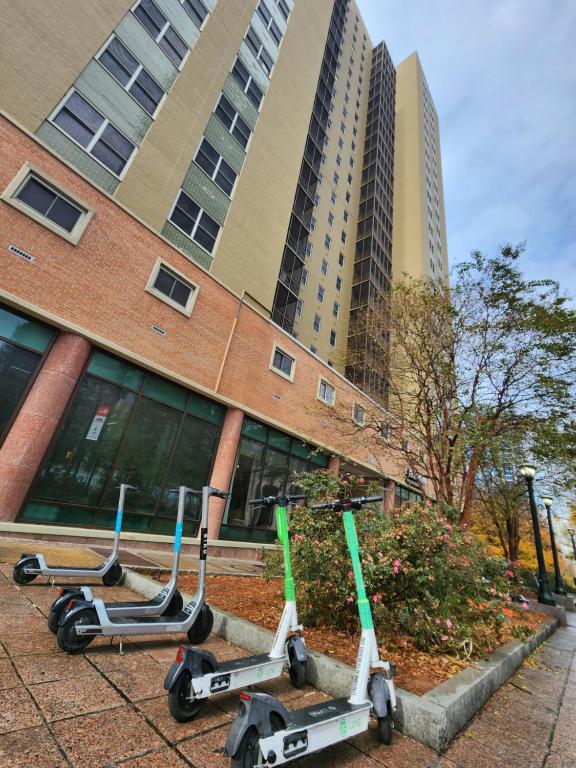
419 223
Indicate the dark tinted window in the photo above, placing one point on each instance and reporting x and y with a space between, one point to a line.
48 203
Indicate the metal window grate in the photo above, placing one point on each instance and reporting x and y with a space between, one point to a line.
19 252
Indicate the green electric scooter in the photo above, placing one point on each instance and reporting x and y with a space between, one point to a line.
196 675
265 733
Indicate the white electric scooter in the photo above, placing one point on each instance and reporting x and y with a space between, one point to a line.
196 675
266 734
110 571
84 620
168 602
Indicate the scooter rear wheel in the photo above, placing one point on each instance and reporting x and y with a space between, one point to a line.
113 576
18 574
200 630
58 608
248 751
174 606
181 706
66 636
385 728
296 669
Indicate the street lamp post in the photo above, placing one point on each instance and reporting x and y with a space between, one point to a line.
559 586
571 532
544 596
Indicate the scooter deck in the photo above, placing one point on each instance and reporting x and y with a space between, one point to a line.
317 713
233 665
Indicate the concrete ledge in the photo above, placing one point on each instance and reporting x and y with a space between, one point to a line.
566 601
433 719
557 611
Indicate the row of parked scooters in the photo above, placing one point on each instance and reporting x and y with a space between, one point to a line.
264 733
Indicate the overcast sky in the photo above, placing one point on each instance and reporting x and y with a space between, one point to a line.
502 74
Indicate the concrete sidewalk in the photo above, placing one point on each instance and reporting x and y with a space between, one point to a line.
100 709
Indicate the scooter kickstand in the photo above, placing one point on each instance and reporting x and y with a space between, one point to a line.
121 648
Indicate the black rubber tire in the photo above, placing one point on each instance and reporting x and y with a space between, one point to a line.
54 619
25 578
58 609
296 669
248 751
113 576
200 630
66 635
174 606
182 708
385 729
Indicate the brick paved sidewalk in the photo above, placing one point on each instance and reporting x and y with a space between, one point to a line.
100 709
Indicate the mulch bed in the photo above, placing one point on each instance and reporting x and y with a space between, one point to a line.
261 601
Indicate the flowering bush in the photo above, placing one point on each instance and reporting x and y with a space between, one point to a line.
425 576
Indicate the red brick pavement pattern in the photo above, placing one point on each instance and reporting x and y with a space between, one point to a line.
101 709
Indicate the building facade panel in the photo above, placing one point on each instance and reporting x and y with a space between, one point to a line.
137 40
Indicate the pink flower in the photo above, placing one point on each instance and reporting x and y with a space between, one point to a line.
449 624
397 563
444 638
336 562
510 573
376 598
492 591
349 599
524 605
350 574
437 620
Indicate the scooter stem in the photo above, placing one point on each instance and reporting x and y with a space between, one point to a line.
352 541
119 515
182 492
283 537
206 494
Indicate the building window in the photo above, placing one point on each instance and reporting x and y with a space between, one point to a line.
326 392
227 115
405 445
284 10
348 197
320 293
338 283
336 310
338 160
282 363
308 249
336 178
327 242
45 203
196 10
313 349
269 22
312 223
304 277
330 218
95 133
349 178
324 267
316 323
169 285
346 214
384 432
128 71
333 198
246 82
299 305
214 165
260 53
158 26
195 222
316 200
359 415
343 236
341 259
332 338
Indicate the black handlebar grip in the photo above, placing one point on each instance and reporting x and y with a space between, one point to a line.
369 499
299 497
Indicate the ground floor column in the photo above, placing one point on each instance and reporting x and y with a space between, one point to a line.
34 426
389 496
224 467
334 465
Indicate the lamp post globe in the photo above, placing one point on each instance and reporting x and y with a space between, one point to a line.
528 472
559 586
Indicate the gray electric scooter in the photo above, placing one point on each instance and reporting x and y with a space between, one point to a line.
265 733
168 602
110 571
83 621
196 674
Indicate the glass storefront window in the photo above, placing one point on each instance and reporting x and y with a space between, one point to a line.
266 464
23 342
404 495
125 425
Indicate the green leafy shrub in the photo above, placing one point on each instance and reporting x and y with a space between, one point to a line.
425 576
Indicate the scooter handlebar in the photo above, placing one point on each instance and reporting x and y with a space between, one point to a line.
269 500
338 504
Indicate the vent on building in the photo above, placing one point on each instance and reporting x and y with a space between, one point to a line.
19 252
157 329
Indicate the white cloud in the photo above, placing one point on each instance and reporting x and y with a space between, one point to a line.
503 79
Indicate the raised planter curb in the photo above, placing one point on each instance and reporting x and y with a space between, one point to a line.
432 719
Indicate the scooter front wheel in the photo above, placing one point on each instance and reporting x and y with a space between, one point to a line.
20 576
385 728
200 630
174 606
67 637
113 576
181 706
248 754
